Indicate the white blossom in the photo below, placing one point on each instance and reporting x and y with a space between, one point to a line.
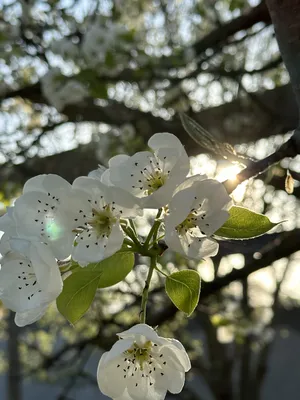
42 213
65 48
197 210
97 219
152 176
142 365
103 40
61 91
29 280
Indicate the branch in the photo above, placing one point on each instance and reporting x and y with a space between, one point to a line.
291 148
280 247
220 35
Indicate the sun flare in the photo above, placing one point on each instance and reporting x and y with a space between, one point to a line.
228 173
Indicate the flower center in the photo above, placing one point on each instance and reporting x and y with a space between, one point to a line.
142 353
188 223
155 180
103 220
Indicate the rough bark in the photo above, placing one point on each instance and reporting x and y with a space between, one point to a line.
285 16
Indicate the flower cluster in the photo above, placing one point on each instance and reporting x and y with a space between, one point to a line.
55 223
57 89
86 221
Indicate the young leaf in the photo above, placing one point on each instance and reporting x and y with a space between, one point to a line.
77 295
183 288
244 224
80 287
113 269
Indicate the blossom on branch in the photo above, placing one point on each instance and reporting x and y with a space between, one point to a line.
197 210
152 176
42 214
97 219
142 365
29 280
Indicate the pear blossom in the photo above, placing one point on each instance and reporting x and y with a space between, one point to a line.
97 219
197 210
57 88
152 176
41 213
29 280
142 365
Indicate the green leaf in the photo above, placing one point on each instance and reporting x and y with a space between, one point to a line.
80 287
183 288
244 224
113 269
77 295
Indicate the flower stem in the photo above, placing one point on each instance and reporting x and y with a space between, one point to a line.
129 232
153 230
146 290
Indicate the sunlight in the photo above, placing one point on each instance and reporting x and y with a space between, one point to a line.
228 173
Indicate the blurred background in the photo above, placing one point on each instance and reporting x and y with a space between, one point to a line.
83 80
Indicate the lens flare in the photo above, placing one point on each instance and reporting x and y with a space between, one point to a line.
228 173
52 229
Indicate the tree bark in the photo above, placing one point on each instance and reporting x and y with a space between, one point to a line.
14 390
285 15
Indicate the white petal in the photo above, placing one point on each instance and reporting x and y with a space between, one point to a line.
4 244
178 173
46 183
93 249
180 207
129 205
46 269
164 139
118 160
140 329
91 186
129 174
110 381
189 246
115 240
29 317
124 396
105 178
40 217
34 184
201 248
55 183
189 182
97 173
212 223
173 380
137 386
20 246
7 224
117 349
214 194
178 351
172 238
89 248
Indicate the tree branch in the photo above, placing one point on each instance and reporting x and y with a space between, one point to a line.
283 246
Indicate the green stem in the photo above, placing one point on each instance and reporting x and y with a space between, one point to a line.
146 290
132 225
129 232
153 230
161 272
